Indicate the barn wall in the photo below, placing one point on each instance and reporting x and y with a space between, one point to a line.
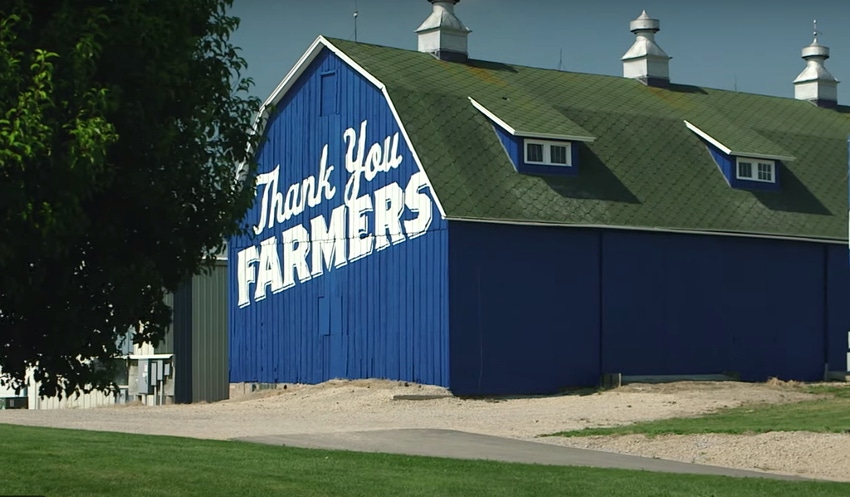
353 282
198 337
688 304
838 308
84 401
179 341
535 309
524 308
207 346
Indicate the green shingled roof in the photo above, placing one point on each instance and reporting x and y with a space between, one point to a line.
740 140
645 169
529 116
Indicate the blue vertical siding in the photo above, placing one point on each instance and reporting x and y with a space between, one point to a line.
725 162
383 315
837 307
512 145
687 304
524 308
535 309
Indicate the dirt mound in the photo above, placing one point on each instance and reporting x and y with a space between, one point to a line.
378 388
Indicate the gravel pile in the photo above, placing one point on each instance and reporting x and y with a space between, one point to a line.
812 455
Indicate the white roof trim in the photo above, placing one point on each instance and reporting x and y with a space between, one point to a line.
304 62
301 66
525 134
705 136
153 357
783 158
493 117
728 151
739 234
550 136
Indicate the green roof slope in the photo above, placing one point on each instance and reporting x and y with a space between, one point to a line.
530 116
645 169
738 138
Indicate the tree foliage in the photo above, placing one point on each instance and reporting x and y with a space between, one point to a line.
121 123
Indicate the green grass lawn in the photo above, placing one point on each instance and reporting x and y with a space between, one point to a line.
824 415
53 462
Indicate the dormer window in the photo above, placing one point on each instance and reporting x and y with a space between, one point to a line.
763 170
747 159
548 153
542 140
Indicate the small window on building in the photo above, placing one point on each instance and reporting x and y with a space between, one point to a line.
533 152
765 171
547 153
558 154
757 170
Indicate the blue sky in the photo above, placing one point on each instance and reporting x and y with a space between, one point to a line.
754 44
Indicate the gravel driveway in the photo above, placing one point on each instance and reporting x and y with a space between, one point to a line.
362 405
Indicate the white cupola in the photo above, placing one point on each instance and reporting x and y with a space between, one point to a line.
815 84
443 34
646 61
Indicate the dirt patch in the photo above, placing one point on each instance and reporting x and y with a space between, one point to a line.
336 387
813 455
351 406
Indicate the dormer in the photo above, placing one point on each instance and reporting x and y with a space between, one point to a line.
538 139
747 160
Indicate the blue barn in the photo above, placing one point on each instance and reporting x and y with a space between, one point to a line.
499 229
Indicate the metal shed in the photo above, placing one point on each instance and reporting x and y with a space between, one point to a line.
198 338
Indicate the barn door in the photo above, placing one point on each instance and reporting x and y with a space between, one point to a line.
333 353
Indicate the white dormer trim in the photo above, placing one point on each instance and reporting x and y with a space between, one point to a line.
546 153
527 134
728 151
755 169
300 68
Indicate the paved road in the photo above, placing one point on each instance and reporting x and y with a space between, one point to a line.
463 445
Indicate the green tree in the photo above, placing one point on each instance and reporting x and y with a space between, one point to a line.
121 124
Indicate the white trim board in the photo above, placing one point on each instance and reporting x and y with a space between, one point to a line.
546 149
755 164
309 56
648 229
728 151
526 134
149 357
298 70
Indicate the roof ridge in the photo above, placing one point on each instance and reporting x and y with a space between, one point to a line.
674 87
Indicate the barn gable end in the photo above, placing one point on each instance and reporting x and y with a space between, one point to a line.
343 271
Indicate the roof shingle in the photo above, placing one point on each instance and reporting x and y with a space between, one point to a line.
645 169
